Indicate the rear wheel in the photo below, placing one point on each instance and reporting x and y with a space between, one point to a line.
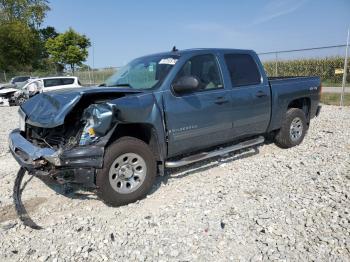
293 129
128 173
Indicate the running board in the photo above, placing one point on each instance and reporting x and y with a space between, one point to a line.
218 152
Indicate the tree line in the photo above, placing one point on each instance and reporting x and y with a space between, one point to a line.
27 46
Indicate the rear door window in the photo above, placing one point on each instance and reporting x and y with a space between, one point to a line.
52 82
67 81
243 69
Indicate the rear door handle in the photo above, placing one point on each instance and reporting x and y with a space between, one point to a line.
260 94
221 100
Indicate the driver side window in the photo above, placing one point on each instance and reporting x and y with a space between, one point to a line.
205 69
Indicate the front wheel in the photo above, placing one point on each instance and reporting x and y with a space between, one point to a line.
128 173
293 129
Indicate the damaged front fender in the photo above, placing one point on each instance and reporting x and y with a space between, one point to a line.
99 118
145 110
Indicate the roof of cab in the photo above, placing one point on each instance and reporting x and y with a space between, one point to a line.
200 51
59 77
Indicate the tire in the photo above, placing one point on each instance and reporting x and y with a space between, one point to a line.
293 129
128 173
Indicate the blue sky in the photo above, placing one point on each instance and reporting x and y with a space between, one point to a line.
123 30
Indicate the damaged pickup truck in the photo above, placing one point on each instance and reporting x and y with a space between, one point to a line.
160 111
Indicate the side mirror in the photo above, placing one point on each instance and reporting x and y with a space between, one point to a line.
186 84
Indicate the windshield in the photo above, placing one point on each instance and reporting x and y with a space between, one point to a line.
143 73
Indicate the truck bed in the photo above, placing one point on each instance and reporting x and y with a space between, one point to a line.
293 78
288 88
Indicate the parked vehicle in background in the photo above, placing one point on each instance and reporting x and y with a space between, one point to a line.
160 111
20 79
16 81
46 84
22 91
11 94
6 94
8 90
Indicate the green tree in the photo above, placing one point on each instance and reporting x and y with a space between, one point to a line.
69 48
19 46
47 32
22 45
30 12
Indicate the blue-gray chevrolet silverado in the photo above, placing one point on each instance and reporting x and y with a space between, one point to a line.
160 111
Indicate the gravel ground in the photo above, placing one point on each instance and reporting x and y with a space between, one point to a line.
262 204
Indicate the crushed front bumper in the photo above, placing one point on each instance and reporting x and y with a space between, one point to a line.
28 155
81 161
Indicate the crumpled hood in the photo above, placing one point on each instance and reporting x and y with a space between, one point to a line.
49 110
6 91
3 86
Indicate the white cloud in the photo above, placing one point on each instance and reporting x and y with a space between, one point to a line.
277 8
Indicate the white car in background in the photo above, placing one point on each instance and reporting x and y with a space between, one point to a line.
47 84
42 85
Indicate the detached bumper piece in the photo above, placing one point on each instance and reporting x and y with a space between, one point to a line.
77 165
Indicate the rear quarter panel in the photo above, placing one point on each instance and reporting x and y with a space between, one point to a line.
284 91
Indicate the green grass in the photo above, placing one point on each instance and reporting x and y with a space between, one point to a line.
334 99
331 83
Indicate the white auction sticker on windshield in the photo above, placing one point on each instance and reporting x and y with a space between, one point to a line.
168 61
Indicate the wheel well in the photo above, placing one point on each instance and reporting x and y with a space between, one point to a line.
303 104
144 132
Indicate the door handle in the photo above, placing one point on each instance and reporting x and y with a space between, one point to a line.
260 94
221 100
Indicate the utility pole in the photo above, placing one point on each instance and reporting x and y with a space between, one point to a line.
345 70
276 65
93 61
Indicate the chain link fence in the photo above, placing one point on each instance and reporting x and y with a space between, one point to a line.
326 62
87 77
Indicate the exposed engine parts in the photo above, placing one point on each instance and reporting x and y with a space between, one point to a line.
98 120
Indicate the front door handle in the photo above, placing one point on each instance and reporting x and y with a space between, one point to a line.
221 100
260 94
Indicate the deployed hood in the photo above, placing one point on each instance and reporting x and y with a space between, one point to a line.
49 110
8 91
3 86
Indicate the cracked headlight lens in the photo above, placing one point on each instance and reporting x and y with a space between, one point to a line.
98 120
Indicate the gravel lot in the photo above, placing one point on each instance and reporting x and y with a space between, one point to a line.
263 204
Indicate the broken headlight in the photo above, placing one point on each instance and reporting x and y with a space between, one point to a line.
98 120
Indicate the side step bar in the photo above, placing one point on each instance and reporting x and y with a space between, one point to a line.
218 152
